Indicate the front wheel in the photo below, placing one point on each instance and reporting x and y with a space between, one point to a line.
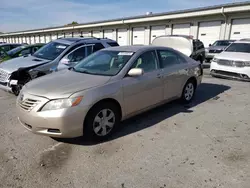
188 91
101 121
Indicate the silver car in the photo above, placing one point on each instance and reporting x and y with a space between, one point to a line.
105 88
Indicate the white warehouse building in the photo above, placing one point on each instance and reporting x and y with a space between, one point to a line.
228 21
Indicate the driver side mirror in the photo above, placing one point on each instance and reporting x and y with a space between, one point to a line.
134 72
64 61
210 45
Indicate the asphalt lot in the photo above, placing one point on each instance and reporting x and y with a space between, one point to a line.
204 145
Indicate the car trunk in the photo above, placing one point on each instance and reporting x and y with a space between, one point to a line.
179 43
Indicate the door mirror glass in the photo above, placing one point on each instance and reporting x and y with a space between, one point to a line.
65 61
134 72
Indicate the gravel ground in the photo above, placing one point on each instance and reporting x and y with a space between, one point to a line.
204 144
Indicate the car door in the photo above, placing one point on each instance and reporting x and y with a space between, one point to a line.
146 90
174 71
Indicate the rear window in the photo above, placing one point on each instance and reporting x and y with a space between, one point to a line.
113 44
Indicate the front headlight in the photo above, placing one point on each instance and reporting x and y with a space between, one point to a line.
247 63
62 103
215 60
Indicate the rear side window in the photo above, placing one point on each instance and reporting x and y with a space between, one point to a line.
97 47
169 58
113 44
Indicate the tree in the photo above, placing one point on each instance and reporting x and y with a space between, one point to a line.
73 23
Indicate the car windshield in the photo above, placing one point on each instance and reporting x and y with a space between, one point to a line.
239 47
107 63
222 43
15 50
50 51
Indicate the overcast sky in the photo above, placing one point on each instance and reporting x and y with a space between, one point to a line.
19 15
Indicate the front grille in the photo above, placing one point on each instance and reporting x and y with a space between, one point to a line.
3 75
28 104
230 63
215 51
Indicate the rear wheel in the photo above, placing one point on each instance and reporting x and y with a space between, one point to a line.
101 121
188 91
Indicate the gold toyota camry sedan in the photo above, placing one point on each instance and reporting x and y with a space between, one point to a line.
105 88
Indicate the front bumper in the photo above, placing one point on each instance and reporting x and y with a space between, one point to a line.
5 86
65 123
239 73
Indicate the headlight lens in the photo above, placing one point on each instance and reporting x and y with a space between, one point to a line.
247 63
215 60
62 103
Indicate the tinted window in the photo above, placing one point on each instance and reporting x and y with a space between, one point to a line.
98 46
113 44
147 62
79 53
15 50
169 58
222 43
239 47
103 63
25 51
50 51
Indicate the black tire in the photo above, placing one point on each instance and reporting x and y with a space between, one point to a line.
184 98
89 124
16 89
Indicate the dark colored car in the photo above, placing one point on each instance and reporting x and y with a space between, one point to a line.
56 55
193 48
5 47
21 51
216 48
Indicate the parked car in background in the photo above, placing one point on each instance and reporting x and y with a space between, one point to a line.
58 54
108 86
193 48
5 47
233 62
216 48
21 51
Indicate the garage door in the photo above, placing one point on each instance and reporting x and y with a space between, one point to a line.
122 37
24 39
181 29
37 39
240 29
157 31
32 39
69 35
108 34
54 36
76 34
85 34
47 38
209 32
42 39
96 34
138 35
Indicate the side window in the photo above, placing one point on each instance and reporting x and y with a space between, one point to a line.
147 61
24 52
113 44
6 48
169 58
98 46
77 54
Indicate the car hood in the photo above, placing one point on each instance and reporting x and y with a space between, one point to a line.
21 62
180 44
217 47
64 83
236 56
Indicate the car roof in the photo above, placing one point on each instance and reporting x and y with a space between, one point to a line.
134 48
72 40
3 44
243 41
